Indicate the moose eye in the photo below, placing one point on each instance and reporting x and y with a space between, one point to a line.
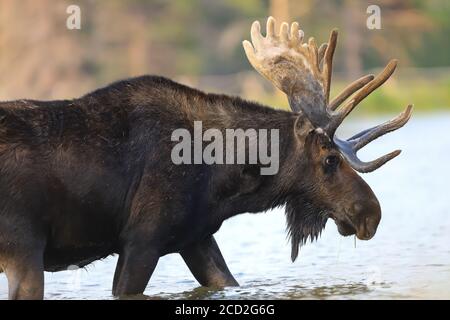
332 161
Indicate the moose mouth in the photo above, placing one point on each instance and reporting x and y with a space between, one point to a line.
347 228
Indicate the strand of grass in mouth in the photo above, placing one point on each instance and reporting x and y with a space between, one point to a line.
354 241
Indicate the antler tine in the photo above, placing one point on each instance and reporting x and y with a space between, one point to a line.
328 62
363 138
378 81
365 167
322 49
349 148
349 90
314 51
363 93
270 27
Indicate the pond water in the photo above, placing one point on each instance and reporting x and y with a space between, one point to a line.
408 258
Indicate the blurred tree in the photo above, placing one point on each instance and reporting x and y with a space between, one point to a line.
279 9
40 58
353 20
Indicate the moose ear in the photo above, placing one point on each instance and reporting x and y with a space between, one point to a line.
302 126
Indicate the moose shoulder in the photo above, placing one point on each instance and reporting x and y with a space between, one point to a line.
86 178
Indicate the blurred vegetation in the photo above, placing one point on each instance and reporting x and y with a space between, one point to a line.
198 42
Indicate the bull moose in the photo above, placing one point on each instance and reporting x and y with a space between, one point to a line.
86 178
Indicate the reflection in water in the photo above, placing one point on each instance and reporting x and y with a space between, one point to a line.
259 291
408 258
329 291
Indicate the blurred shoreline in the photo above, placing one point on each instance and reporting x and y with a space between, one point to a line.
199 43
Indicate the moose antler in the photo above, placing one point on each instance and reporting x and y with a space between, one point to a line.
303 72
292 66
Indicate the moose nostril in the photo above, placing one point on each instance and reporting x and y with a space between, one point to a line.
365 216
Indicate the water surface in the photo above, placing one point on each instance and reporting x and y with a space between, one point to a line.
408 258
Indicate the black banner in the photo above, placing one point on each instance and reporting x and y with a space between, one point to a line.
224 309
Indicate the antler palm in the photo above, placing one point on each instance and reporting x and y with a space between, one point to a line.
284 59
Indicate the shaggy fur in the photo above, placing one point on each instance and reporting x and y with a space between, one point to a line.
85 178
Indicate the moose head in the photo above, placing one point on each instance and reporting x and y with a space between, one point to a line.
329 186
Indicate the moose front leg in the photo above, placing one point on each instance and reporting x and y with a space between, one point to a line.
134 269
207 264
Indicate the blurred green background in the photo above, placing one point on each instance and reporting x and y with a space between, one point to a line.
198 42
